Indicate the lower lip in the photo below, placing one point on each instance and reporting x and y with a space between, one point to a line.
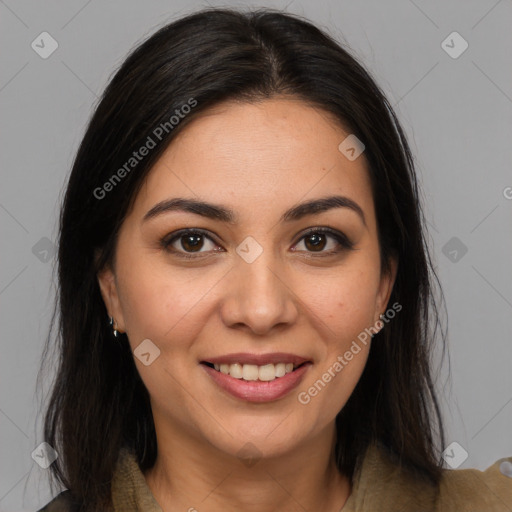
255 390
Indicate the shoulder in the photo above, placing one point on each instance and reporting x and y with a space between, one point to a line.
380 483
61 503
489 490
66 502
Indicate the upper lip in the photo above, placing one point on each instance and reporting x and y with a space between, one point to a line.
257 359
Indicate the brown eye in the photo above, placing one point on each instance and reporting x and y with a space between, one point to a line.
189 242
316 240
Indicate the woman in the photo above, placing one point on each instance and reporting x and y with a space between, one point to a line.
246 295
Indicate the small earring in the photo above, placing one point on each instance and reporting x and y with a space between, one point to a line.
112 323
382 317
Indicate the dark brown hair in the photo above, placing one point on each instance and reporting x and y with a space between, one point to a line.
98 402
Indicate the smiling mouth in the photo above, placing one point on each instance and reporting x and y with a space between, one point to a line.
253 372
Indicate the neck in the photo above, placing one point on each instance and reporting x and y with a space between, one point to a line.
189 474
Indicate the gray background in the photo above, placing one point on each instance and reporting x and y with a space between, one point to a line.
457 113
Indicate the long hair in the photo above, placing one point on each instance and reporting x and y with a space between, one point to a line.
98 402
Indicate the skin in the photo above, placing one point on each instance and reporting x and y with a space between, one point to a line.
259 160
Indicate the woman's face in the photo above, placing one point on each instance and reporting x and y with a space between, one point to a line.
255 288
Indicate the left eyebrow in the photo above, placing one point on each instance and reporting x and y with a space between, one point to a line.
321 205
224 214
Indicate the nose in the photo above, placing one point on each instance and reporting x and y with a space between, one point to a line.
259 299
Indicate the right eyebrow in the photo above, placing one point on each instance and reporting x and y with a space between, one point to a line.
209 210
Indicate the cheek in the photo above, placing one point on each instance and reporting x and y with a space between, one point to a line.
157 300
165 306
344 306
344 300
343 354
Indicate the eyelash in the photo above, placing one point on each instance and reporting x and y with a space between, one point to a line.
343 241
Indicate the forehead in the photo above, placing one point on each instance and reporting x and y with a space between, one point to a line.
264 155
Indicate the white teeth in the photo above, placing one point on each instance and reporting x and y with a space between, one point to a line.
280 370
235 370
250 372
265 373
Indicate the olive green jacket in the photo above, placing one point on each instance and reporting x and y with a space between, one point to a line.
378 486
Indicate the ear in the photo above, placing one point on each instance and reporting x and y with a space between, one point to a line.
387 282
109 292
